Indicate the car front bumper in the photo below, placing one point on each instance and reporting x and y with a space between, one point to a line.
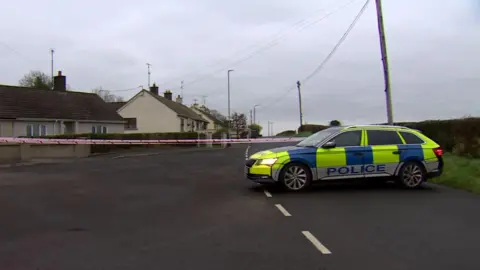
260 179
261 174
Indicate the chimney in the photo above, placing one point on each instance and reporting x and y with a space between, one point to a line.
60 82
168 95
154 89
179 99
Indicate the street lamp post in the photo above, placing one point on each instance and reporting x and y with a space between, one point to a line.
228 86
254 113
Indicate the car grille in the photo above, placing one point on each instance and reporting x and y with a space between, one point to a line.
249 163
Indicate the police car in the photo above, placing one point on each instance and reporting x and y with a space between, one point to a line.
361 151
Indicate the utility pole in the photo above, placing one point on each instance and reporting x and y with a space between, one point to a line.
204 100
228 89
300 102
255 113
148 68
181 88
383 49
251 117
52 51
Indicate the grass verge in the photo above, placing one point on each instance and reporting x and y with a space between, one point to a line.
461 173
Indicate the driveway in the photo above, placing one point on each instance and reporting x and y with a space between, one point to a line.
194 210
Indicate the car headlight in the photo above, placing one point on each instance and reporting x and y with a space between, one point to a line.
268 161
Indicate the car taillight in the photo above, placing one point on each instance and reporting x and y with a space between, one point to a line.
438 151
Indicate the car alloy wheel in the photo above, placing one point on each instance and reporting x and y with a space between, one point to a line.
296 177
412 175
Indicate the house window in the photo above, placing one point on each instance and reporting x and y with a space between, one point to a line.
99 129
182 125
35 130
131 123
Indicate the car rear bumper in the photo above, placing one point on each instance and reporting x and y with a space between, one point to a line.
438 171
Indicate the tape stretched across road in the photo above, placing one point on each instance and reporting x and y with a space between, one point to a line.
189 141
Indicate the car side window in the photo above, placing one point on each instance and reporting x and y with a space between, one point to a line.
349 138
383 137
411 138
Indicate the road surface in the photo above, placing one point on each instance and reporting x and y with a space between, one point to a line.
194 210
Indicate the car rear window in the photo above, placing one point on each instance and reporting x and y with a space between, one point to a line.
411 138
383 137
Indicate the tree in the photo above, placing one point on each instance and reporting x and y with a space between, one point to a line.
335 123
36 79
106 95
256 127
218 115
239 122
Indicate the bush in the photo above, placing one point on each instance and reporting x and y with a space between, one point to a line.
311 128
286 133
459 136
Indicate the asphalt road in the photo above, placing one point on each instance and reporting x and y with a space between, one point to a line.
194 210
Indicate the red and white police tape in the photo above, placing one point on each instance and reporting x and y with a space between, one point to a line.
189 141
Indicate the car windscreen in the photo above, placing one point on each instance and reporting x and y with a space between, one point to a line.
318 137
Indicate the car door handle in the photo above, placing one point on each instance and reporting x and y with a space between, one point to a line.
396 152
358 154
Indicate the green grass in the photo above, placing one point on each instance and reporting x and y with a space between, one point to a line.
461 173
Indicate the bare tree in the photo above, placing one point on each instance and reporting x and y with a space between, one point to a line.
239 122
36 79
106 95
218 115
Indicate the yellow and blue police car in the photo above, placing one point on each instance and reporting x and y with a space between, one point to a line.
347 152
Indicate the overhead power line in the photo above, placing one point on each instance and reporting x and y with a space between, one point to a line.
266 47
327 58
268 42
124 90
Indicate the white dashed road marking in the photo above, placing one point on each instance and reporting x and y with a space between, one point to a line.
283 210
267 194
316 243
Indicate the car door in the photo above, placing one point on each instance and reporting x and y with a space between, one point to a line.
383 156
345 160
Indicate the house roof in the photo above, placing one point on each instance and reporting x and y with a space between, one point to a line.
23 102
179 108
116 105
212 117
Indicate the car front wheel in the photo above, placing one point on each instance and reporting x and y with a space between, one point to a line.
411 175
296 177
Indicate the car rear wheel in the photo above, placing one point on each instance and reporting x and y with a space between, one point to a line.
296 177
411 175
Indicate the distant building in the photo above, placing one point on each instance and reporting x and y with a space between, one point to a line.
38 112
148 112
214 124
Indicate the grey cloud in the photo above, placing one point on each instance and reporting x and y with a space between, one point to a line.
433 52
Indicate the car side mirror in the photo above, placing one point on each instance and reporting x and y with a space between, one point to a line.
330 144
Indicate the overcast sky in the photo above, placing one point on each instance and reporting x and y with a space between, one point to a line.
433 46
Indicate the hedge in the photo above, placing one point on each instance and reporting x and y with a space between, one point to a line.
311 128
459 136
